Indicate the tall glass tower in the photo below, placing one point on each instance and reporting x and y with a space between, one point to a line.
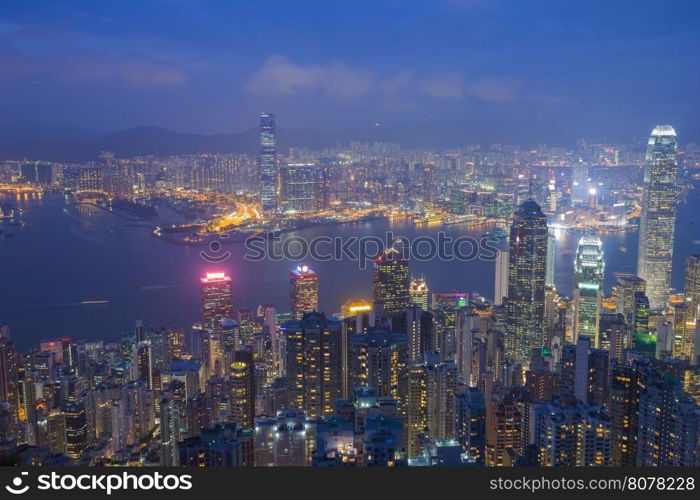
589 274
392 282
268 163
525 329
657 223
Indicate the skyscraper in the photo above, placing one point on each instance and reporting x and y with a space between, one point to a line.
692 285
298 193
658 219
392 282
217 300
419 293
303 291
525 325
268 163
589 272
313 361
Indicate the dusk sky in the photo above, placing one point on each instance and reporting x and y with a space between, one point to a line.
589 68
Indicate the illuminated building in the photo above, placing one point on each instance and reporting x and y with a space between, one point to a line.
658 219
419 293
643 341
76 429
242 400
303 291
217 300
268 164
525 326
589 274
572 436
624 402
430 403
624 291
226 445
669 423
313 363
354 308
379 359
692 285
285 440
613 334
298 192
392 282
504 429
471 422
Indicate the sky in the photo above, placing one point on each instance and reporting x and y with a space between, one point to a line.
588 68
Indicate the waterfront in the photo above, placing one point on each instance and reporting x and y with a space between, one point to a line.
81 271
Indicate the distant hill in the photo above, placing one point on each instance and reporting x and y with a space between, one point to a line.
148 140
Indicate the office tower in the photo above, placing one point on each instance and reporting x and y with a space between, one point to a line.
525 325
430 402
589 273
138 331
379 359
466 329
303 291
418 327
268 164
217 300
76 429
658 218
143 362
225 445
692 285
598 376
419 293
298 189
173 421
246 326
613 334
242 399
391 282
284 440
665 336
313 363
624 290
669 425
684 326
551 248
501 284
643 341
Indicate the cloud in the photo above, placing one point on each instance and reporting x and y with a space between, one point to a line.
491 89
133 71
91 67
279 75
445 86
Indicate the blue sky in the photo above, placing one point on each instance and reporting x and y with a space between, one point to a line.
588 67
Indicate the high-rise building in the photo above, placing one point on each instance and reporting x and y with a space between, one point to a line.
692 285
298 188
669 425
379 359
430 402
525 325
303 291
501 281
313 363
268 163
419 293
643 341
392 282
624 291
658 219
217 300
